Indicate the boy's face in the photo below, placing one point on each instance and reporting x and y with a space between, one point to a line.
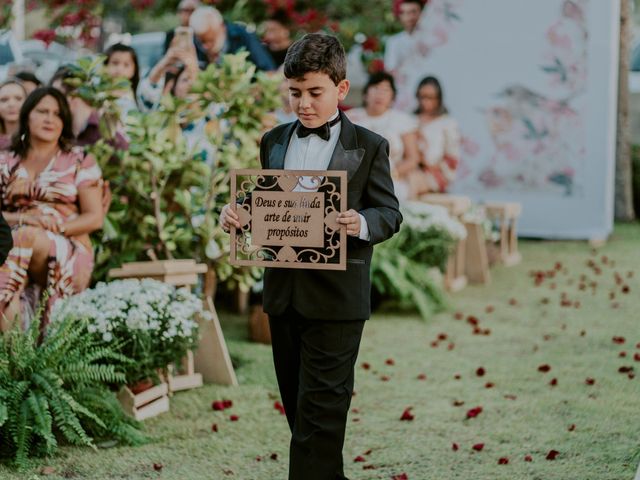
314 98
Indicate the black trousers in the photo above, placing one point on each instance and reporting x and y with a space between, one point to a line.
314 362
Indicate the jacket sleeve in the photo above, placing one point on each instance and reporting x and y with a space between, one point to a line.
383 210
258 54
6 240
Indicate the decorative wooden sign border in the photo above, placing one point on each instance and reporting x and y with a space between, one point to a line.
332 184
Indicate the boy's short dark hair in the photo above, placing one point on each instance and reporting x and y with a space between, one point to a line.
420 3
316 52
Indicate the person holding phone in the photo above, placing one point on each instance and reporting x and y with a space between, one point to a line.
185 10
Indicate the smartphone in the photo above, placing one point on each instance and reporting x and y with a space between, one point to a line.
183 37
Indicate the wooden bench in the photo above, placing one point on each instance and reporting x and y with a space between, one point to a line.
506 215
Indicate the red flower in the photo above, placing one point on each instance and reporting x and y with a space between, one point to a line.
214 427
366 366
455 447
572 427
422 376
480 372
371 44
528 458
407 415
618 340
234 418
478 447
553 382
376 65
474 412
544 368
389 361
503 461
278 406
46 36
359 458
552 454
590 381
157 467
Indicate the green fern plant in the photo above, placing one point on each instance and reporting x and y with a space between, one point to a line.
57 389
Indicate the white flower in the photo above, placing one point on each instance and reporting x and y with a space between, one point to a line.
197 220
213 250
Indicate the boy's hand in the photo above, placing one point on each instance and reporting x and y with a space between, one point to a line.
228 218
351 219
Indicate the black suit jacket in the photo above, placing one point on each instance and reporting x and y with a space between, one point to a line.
330 294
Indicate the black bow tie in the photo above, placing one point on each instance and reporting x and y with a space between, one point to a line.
323 131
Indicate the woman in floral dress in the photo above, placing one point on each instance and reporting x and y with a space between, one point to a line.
51 197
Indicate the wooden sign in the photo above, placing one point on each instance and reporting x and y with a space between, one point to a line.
288 219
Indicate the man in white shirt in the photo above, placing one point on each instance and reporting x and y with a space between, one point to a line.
398 46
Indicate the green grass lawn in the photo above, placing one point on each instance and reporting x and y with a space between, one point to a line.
522 414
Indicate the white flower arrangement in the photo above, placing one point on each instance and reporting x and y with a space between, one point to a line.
421 217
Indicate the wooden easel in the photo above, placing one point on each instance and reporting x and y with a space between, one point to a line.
211 359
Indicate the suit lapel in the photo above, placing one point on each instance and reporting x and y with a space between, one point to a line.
278 151
346 156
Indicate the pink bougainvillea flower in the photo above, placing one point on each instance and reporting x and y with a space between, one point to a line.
544 368
474 412
455 447
274 456
366 366
528 458
389 361
234 418
422 376
572 427
553 382
590 381
278 406
359 458
618 340
489 385
407 415
480 372
552 454
478 447
503 461
214 427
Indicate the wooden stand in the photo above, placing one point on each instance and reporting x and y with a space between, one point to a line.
147 404
477 265
259 330
506 214
455 278
187 380
212 358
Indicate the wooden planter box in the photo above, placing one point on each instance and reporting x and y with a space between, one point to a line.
506 215
147 404
185 381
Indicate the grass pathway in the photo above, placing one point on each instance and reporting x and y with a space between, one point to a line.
565 325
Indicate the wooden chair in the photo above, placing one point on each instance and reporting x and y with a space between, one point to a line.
506 215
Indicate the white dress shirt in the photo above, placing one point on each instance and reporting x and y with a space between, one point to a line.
397 49
314 153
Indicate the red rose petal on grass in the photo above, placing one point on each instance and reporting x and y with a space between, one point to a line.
544 368
528 458
278 406
625 369
638 345
618 340
457 376
407 415
552 454
258 459
472 320
489 309
583 333
513 302
511 397
369 467
478 447
368 452
625 289
477 331
480 372
486 331
157 467
389 361
227 403
458 315
572 427
274 456
355 410
451 346
217 406
623 354
355 420
366 366
385 378
553 382
489 385
458 403
214 427
474 412
503 461
455 447
234 418
442 336
359 458
422 376
612 296
589 381
631 375
636 357
401 476
434 344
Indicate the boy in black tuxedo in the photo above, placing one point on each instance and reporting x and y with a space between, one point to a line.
317 316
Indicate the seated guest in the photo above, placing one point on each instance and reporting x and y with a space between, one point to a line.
277 35
438 137
29 81
51 197
122 62
12 95
219 37
185 10
397 127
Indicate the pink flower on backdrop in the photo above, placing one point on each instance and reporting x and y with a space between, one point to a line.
469 146
47 36
441 35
